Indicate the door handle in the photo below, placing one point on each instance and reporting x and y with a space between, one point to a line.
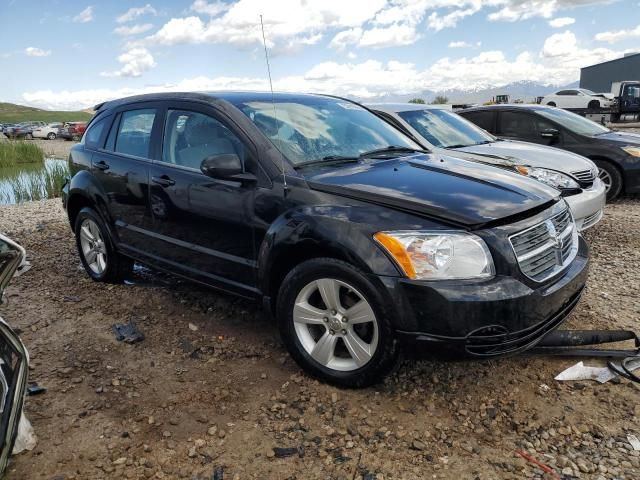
163 181
101 165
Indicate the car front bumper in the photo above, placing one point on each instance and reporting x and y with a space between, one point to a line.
588 207
485 318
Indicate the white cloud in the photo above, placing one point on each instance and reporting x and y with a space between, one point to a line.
211 9
463 44
37 52
134 63
619 35
559 44
345 38
561 22
390 36
136 12
133 29
85 16
450 20
515 10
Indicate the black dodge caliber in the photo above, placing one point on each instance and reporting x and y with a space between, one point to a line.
344 229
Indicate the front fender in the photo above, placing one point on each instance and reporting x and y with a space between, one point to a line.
322 231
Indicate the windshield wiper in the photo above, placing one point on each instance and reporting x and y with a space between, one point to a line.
328 160
391 149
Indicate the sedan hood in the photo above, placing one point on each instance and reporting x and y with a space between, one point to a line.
531 154
459 192
624 138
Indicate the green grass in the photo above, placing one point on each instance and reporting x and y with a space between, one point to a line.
35 185
12 113
18 153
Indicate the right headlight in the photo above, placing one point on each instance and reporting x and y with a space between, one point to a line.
424 255
557 180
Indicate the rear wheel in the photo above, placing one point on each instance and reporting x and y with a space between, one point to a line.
97 253
551 104
51 136
75 138
334 323
611 177
28 136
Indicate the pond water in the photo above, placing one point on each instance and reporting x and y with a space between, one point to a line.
37 181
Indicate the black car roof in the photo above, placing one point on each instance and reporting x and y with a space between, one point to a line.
506 106
230 96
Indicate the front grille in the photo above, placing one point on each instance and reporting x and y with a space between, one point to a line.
585 176
546 249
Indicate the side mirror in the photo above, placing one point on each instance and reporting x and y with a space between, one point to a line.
226 166
550 133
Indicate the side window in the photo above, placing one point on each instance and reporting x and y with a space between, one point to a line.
134 132
190 137
483 119
94 133
522 125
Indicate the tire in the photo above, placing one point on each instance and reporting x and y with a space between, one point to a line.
28 136
51 136
611 177
594 105
306 324
76 138
91 235
551 104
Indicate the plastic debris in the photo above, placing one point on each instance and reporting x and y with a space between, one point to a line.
26 438
283 452
127 332
580 371
633 440
24 267
35 389
218 473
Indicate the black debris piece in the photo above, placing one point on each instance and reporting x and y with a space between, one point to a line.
218 473
283 452
35 389
127 332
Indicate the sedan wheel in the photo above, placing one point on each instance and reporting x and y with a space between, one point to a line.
93 246
606 179
28 136
335 324
51 136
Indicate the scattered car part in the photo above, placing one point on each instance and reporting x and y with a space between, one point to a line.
127 332
14 362
35 389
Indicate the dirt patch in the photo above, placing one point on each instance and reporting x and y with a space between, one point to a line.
211 386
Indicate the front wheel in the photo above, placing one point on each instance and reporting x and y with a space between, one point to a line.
335 325
611 178
51 136
96 248
551 104
594 105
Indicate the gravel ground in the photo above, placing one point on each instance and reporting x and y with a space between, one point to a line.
212 388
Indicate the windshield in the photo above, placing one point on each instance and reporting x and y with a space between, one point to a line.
445 129
309 129
573 122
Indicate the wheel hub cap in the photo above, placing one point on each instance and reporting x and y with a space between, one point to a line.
93 247
335 324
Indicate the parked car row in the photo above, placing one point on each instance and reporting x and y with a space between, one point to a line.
358 231
50 131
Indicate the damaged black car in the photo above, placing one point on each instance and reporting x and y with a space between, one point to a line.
351 235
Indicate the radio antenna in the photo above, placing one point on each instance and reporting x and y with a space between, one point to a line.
273 103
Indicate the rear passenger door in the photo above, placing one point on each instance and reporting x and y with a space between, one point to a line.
525 126
121 166
202 226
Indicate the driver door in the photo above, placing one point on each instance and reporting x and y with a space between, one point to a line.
201 225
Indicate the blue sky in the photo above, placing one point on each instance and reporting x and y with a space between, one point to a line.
66 55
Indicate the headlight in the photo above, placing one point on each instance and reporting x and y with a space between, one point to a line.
438 255
552 178
633 151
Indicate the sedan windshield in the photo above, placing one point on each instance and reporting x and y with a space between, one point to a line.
573 122
313 129
445 129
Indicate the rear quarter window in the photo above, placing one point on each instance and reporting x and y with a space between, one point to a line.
93 136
